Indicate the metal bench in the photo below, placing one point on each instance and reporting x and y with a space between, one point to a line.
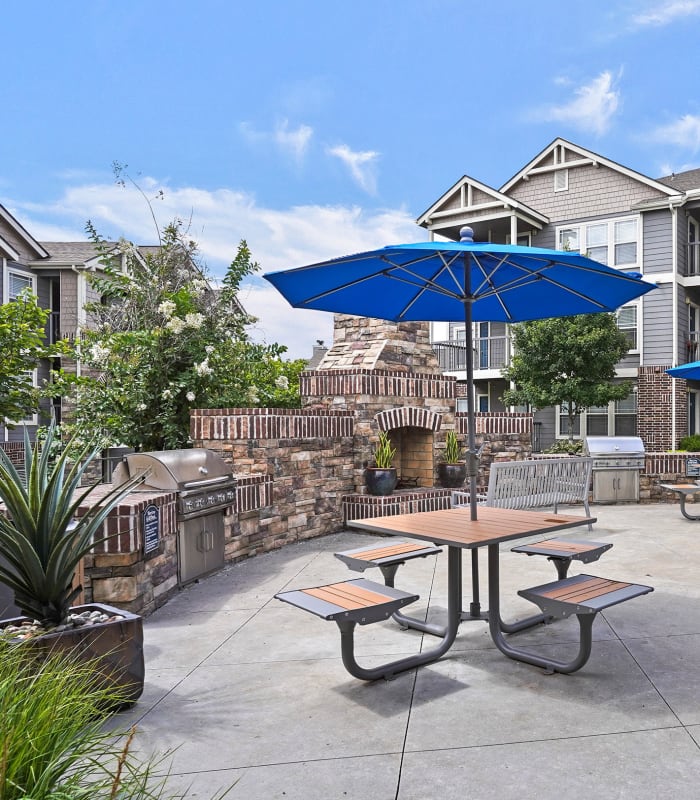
584 596
536 483
561 552
389 556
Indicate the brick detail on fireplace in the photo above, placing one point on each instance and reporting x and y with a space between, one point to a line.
408 417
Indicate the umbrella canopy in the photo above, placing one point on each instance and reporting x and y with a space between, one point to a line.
690 372
455 281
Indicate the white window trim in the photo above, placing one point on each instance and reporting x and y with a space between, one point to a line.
32 419
637 304
610 222
7 271
583 418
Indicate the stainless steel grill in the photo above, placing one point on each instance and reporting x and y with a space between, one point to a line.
617 462
205 487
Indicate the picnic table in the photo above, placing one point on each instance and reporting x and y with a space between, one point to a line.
684 490
362 602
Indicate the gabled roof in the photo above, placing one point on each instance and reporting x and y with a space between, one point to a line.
10 221
557 156
465 186
67 254
683 181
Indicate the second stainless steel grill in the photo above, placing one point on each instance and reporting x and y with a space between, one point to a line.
617 462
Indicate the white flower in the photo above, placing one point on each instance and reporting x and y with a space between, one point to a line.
209 349
141 407
99 354
194 320
190 396
175 324
203 368
253 394
167 394
167 308
282 382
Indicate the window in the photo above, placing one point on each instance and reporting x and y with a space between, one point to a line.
16 282
561 180
618 418
627 323
612 242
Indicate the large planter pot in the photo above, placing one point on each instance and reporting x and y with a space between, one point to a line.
115 647
381 481
452 476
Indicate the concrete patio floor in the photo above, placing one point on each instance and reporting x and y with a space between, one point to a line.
252 691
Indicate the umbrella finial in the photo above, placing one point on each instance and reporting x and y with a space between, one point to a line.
466 234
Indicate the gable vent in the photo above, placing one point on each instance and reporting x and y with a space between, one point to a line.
561 180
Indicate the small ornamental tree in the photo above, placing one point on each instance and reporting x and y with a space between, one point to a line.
163 340
567 362
22 344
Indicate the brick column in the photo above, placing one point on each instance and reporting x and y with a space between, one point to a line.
654 409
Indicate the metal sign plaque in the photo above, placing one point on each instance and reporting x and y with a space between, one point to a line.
692 467
151 529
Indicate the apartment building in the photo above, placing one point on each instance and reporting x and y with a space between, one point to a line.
56 272
568 197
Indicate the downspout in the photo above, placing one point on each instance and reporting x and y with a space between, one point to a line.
674 320
80 298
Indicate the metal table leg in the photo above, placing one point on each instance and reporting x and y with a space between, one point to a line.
387 671
585 622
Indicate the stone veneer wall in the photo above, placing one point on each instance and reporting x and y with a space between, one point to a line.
301 462
117 572
379 399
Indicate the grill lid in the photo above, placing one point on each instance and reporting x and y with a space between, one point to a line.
613 446
176 470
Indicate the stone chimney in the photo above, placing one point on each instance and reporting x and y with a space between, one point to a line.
365 343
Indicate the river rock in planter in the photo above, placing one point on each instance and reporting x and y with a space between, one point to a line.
115 646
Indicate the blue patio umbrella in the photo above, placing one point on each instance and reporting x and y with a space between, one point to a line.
460 281
691 372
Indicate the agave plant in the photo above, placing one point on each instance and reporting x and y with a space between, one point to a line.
41 539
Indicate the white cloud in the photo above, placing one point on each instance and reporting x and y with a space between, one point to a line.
278 239
684 132
292 142
667 12
592 108
360 163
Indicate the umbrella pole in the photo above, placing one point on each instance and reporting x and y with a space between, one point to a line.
472 458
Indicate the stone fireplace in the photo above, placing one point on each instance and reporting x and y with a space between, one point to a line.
388 377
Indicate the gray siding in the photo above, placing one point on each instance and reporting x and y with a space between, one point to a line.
657 311
593 192
656 241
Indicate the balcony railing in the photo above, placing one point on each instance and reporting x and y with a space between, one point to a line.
492 352
692 260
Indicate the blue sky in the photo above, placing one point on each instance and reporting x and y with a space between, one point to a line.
315 129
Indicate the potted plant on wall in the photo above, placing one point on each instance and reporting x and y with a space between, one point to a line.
452 471
381 479
42 541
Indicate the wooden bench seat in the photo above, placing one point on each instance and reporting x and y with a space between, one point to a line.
561 552
582 595
388 556
357 601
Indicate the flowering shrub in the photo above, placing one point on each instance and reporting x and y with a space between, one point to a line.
164 341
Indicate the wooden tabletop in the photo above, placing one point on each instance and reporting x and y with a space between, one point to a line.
455 527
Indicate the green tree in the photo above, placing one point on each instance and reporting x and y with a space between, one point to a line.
22 344
162 341
568 362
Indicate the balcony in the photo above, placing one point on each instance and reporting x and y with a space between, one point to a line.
692 260
492 352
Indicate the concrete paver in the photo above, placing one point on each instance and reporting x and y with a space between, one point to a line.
253 693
